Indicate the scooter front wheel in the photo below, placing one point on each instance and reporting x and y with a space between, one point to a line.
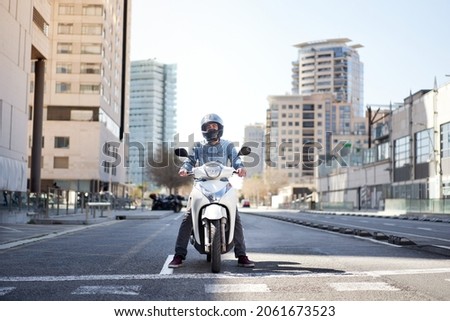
216 252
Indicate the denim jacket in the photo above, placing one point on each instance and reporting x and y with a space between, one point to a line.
223 152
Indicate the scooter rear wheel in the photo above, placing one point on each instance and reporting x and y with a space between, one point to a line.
215 246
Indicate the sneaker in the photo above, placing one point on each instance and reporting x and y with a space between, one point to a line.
243 261
176 262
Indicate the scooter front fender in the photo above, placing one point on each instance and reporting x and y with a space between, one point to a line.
214 212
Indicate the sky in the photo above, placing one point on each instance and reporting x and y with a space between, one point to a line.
232 54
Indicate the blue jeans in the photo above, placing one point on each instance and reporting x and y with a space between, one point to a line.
185 230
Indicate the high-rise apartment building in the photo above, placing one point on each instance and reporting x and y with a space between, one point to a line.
322 116
330 66
85 105
152 114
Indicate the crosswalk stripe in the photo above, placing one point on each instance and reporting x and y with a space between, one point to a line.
363 286
302 274
109 289
236 288
6 290
166 269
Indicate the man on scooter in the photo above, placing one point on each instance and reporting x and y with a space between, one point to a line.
212 149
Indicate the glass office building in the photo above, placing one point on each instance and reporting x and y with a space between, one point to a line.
152 113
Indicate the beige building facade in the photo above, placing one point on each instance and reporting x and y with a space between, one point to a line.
303 129
85 97
24 37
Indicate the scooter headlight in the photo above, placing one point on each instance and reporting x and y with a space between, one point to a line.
213 170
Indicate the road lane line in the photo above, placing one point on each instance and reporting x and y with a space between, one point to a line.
108 289
51 235
10 229
6 290
363 286
166 269
303 274
236 288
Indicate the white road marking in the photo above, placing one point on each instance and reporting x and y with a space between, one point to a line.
389 224
363 286
166 269
10 229
51 235
236 288
108 289
425 228
6 290
217 275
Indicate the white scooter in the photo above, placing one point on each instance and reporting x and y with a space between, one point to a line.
213 203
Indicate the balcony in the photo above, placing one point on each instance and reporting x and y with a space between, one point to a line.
40 31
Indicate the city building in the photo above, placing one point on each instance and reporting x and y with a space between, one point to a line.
330 66
408 167
84 112
25 31
254 137
152 115
321 119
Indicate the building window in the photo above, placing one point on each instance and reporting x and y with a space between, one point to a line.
424 146
60 162
30 142
109 166
383 151
92 10
90 68
29 162
401 152
64 48
62 142
91 48
91 29
445 140
89 88
63 87
66 9
63 68
65 28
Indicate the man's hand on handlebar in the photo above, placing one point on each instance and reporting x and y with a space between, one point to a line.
241 172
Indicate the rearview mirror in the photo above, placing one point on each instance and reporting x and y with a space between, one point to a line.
181 152
245 150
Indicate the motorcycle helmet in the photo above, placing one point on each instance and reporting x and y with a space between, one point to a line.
212 134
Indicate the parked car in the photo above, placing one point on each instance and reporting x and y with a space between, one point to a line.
245 203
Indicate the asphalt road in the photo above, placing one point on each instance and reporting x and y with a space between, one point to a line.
425 233
127 260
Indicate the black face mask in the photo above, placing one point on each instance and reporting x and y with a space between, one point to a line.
211 135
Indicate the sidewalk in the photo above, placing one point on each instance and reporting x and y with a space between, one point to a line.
12 235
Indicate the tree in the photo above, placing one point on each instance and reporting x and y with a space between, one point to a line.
259 188
163 167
